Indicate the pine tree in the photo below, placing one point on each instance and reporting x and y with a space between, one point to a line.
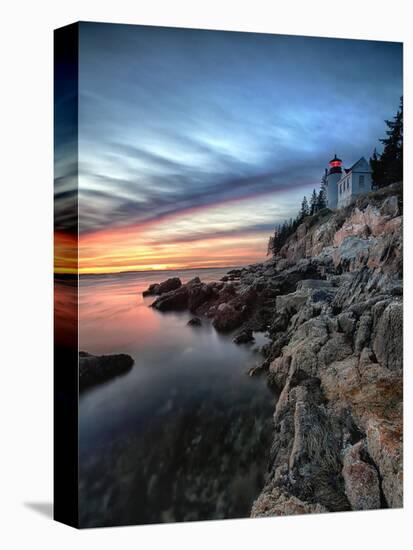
322 194
376 168
321 200
281 234
388 168
305 210
313 202
392 156
270 247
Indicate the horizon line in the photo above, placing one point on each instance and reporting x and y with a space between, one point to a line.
68 273
156 270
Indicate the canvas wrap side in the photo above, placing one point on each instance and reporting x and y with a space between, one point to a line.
66 54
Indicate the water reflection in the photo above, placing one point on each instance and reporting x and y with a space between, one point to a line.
65 310
184 435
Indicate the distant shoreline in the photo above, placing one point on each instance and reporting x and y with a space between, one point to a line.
158 271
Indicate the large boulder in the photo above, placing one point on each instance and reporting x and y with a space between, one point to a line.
170 284
175 300
227 318
244 337
198 294
161 288
152 290
95 369
361 479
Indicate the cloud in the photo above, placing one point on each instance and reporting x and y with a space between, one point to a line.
175 121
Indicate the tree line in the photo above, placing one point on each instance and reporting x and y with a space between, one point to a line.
282 231
387 168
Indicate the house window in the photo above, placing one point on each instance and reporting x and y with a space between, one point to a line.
361 181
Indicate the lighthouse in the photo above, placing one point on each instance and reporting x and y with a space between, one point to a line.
334 174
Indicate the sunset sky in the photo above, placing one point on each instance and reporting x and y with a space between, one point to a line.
194 144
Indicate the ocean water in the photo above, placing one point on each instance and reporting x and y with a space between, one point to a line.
185 434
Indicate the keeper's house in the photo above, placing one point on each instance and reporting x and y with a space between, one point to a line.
344 184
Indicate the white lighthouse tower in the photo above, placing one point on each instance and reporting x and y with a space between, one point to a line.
334 174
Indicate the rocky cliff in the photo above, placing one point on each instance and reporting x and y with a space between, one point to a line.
331 303
336 358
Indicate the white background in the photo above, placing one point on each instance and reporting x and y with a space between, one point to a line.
26 267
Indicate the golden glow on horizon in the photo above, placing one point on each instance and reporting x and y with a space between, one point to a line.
96 255
211 236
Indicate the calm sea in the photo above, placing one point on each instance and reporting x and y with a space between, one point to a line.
185 434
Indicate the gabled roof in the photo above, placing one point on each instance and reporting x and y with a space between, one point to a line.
347 171
360 160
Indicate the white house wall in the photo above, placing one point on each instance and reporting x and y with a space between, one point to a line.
366 187
354 187
345 190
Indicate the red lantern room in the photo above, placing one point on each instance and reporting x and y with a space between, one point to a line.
335 165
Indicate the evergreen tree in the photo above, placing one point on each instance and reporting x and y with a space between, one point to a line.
375 167
281 234
285 229
313 202
270 247
305 210
392 156
388 168
321 199
322 194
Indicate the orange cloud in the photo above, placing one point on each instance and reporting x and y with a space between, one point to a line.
127 251
228 234
207 237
